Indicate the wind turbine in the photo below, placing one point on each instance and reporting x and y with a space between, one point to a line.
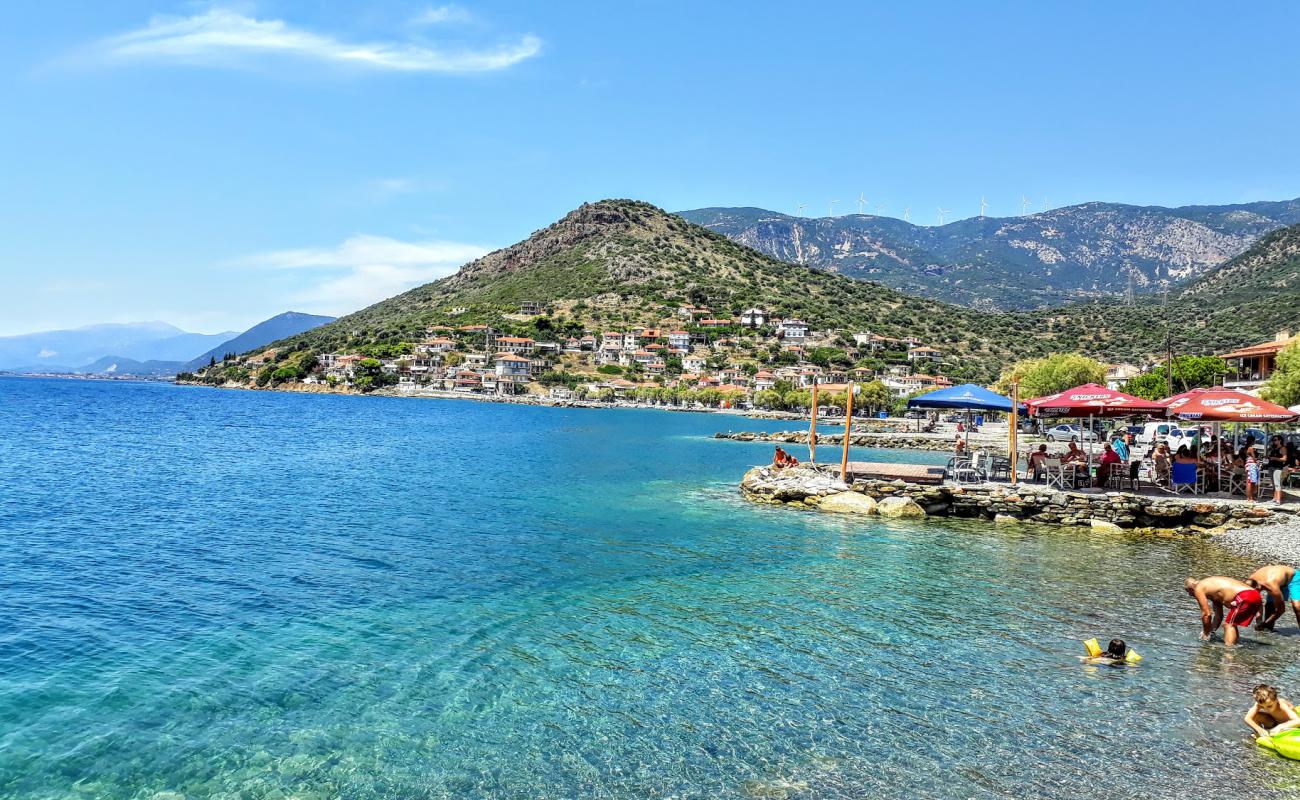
880 209
1044 203
1024 205
830 207
942 211
862 201
983 205
798 210
907 214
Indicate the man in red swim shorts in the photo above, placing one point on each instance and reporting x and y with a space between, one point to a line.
1242 602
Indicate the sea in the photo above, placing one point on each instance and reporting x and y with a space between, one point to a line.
208 593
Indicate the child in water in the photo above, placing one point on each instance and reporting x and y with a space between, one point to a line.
1270 715
1115 654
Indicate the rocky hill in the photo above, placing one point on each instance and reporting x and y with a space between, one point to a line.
615 263
1094 250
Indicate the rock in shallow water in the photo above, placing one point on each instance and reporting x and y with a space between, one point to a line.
848 503
899 507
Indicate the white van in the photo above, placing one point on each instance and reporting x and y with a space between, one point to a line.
1157 432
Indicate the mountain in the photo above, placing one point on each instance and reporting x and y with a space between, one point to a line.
1033 261
615 263
67 350
106 366
263 333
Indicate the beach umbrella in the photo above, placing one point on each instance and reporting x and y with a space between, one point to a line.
967 396
1225 405
1092 400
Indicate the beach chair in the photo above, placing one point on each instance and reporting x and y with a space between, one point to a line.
963 470
1233 481
1185 478
998 468
1055 472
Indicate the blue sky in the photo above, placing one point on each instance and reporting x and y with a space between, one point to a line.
212 165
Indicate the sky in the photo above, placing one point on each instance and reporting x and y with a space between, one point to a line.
212 165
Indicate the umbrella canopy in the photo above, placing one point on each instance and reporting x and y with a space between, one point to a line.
967 395
1092 400
1225 405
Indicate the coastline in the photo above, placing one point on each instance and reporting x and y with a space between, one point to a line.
522 399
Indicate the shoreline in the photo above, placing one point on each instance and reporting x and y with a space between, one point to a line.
522 400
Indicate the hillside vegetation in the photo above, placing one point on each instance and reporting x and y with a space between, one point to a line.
616 263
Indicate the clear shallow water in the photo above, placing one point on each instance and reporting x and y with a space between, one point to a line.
239 594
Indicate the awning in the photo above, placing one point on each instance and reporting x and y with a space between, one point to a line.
1092 400
967 396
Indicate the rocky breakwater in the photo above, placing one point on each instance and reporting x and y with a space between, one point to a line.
886 440
819 487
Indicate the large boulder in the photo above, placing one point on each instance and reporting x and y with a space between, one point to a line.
1103 526
848 503
899 507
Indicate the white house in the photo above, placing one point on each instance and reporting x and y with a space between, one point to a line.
694 363
764 379
679 340
793 329
511 368
753 317
924 353
519 345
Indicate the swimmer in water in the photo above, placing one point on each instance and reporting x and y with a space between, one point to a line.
1270 715
1114 655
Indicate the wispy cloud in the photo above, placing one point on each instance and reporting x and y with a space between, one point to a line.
221 37
442 15
364 269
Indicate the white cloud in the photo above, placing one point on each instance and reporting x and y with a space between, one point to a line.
442 15
220 36
364 269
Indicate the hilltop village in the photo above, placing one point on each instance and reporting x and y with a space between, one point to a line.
695 357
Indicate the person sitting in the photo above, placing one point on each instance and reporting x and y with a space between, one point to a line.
1160 462
783 459
1074 454
1109 458
1270 714
1185 456
1035 462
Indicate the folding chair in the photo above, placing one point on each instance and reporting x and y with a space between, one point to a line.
1184 479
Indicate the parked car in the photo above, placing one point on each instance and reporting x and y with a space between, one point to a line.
1070 433
1157 432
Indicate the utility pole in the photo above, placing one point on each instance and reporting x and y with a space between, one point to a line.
1169 351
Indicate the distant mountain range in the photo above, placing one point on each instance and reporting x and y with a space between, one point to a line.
1033 261
73 350
150 349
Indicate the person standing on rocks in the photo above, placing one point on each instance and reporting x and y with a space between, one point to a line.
1276 579
1243 603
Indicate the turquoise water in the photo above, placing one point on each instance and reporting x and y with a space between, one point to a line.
241 594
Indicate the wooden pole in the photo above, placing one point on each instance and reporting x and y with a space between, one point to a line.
1015 427
848 427
812 431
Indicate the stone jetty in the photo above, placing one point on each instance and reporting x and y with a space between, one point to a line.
819 487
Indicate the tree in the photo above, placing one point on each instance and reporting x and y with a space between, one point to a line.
874 396
1283 385
1055 373
769 399
1190 372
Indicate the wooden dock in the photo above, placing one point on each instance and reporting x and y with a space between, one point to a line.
912 473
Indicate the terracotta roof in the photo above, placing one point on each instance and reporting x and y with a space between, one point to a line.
512 357
515 339
923 349
1264 349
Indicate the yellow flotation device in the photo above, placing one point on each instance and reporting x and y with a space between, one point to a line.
1285 744
1095 651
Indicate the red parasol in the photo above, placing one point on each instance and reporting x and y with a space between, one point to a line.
1224 405
1091 400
